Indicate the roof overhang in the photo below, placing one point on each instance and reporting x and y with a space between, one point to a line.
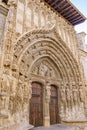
5 1
3 9
67 10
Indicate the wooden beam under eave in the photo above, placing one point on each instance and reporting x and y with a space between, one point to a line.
71 14
57 6
76 23
73 19
67 13
61 2
66 9
64 6
54 2
76 20
48 1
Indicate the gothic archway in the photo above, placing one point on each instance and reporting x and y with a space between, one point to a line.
38 44
42 55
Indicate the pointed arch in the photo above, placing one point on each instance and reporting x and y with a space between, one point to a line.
36 45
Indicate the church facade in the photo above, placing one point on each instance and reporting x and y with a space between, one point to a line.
42 80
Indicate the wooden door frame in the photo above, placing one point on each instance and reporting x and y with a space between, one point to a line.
41 85
58 117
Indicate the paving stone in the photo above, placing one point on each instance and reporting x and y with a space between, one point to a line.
55 127
61 127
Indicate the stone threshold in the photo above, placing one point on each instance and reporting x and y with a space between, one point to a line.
75 123
17 126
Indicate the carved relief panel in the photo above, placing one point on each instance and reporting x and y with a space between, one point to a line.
44 69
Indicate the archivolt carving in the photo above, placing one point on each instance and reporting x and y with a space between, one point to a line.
39 43
43 54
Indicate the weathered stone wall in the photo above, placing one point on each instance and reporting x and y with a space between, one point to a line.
39 45
3 14
34 15
2 24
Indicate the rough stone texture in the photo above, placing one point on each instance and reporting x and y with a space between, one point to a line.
83 51
39 45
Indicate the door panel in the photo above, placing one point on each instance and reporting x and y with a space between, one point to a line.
53 105
36 105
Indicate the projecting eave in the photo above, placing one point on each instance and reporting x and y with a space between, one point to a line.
67 10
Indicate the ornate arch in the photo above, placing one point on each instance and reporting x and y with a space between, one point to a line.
39 44
45 49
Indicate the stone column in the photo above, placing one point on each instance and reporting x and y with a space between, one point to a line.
46 107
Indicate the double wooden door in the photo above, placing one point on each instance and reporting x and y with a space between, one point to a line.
36 105
54 106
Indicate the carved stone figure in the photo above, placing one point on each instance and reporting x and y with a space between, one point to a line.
35 70
5 84
63 95
47 92
82 94
68 97
51 73
43 69
75 95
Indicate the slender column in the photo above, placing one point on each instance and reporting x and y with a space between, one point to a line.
64 31
46 109
62 24
60 28
32 17
39 17
71 45
68 38
24 17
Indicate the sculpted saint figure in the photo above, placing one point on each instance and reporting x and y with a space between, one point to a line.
48 92
43 70
82 94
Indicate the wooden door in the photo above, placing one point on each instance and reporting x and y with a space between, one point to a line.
36 105
54 105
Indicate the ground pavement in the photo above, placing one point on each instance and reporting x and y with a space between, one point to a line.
60 127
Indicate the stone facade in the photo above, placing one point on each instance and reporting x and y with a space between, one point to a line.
83 51
39 45
82 42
